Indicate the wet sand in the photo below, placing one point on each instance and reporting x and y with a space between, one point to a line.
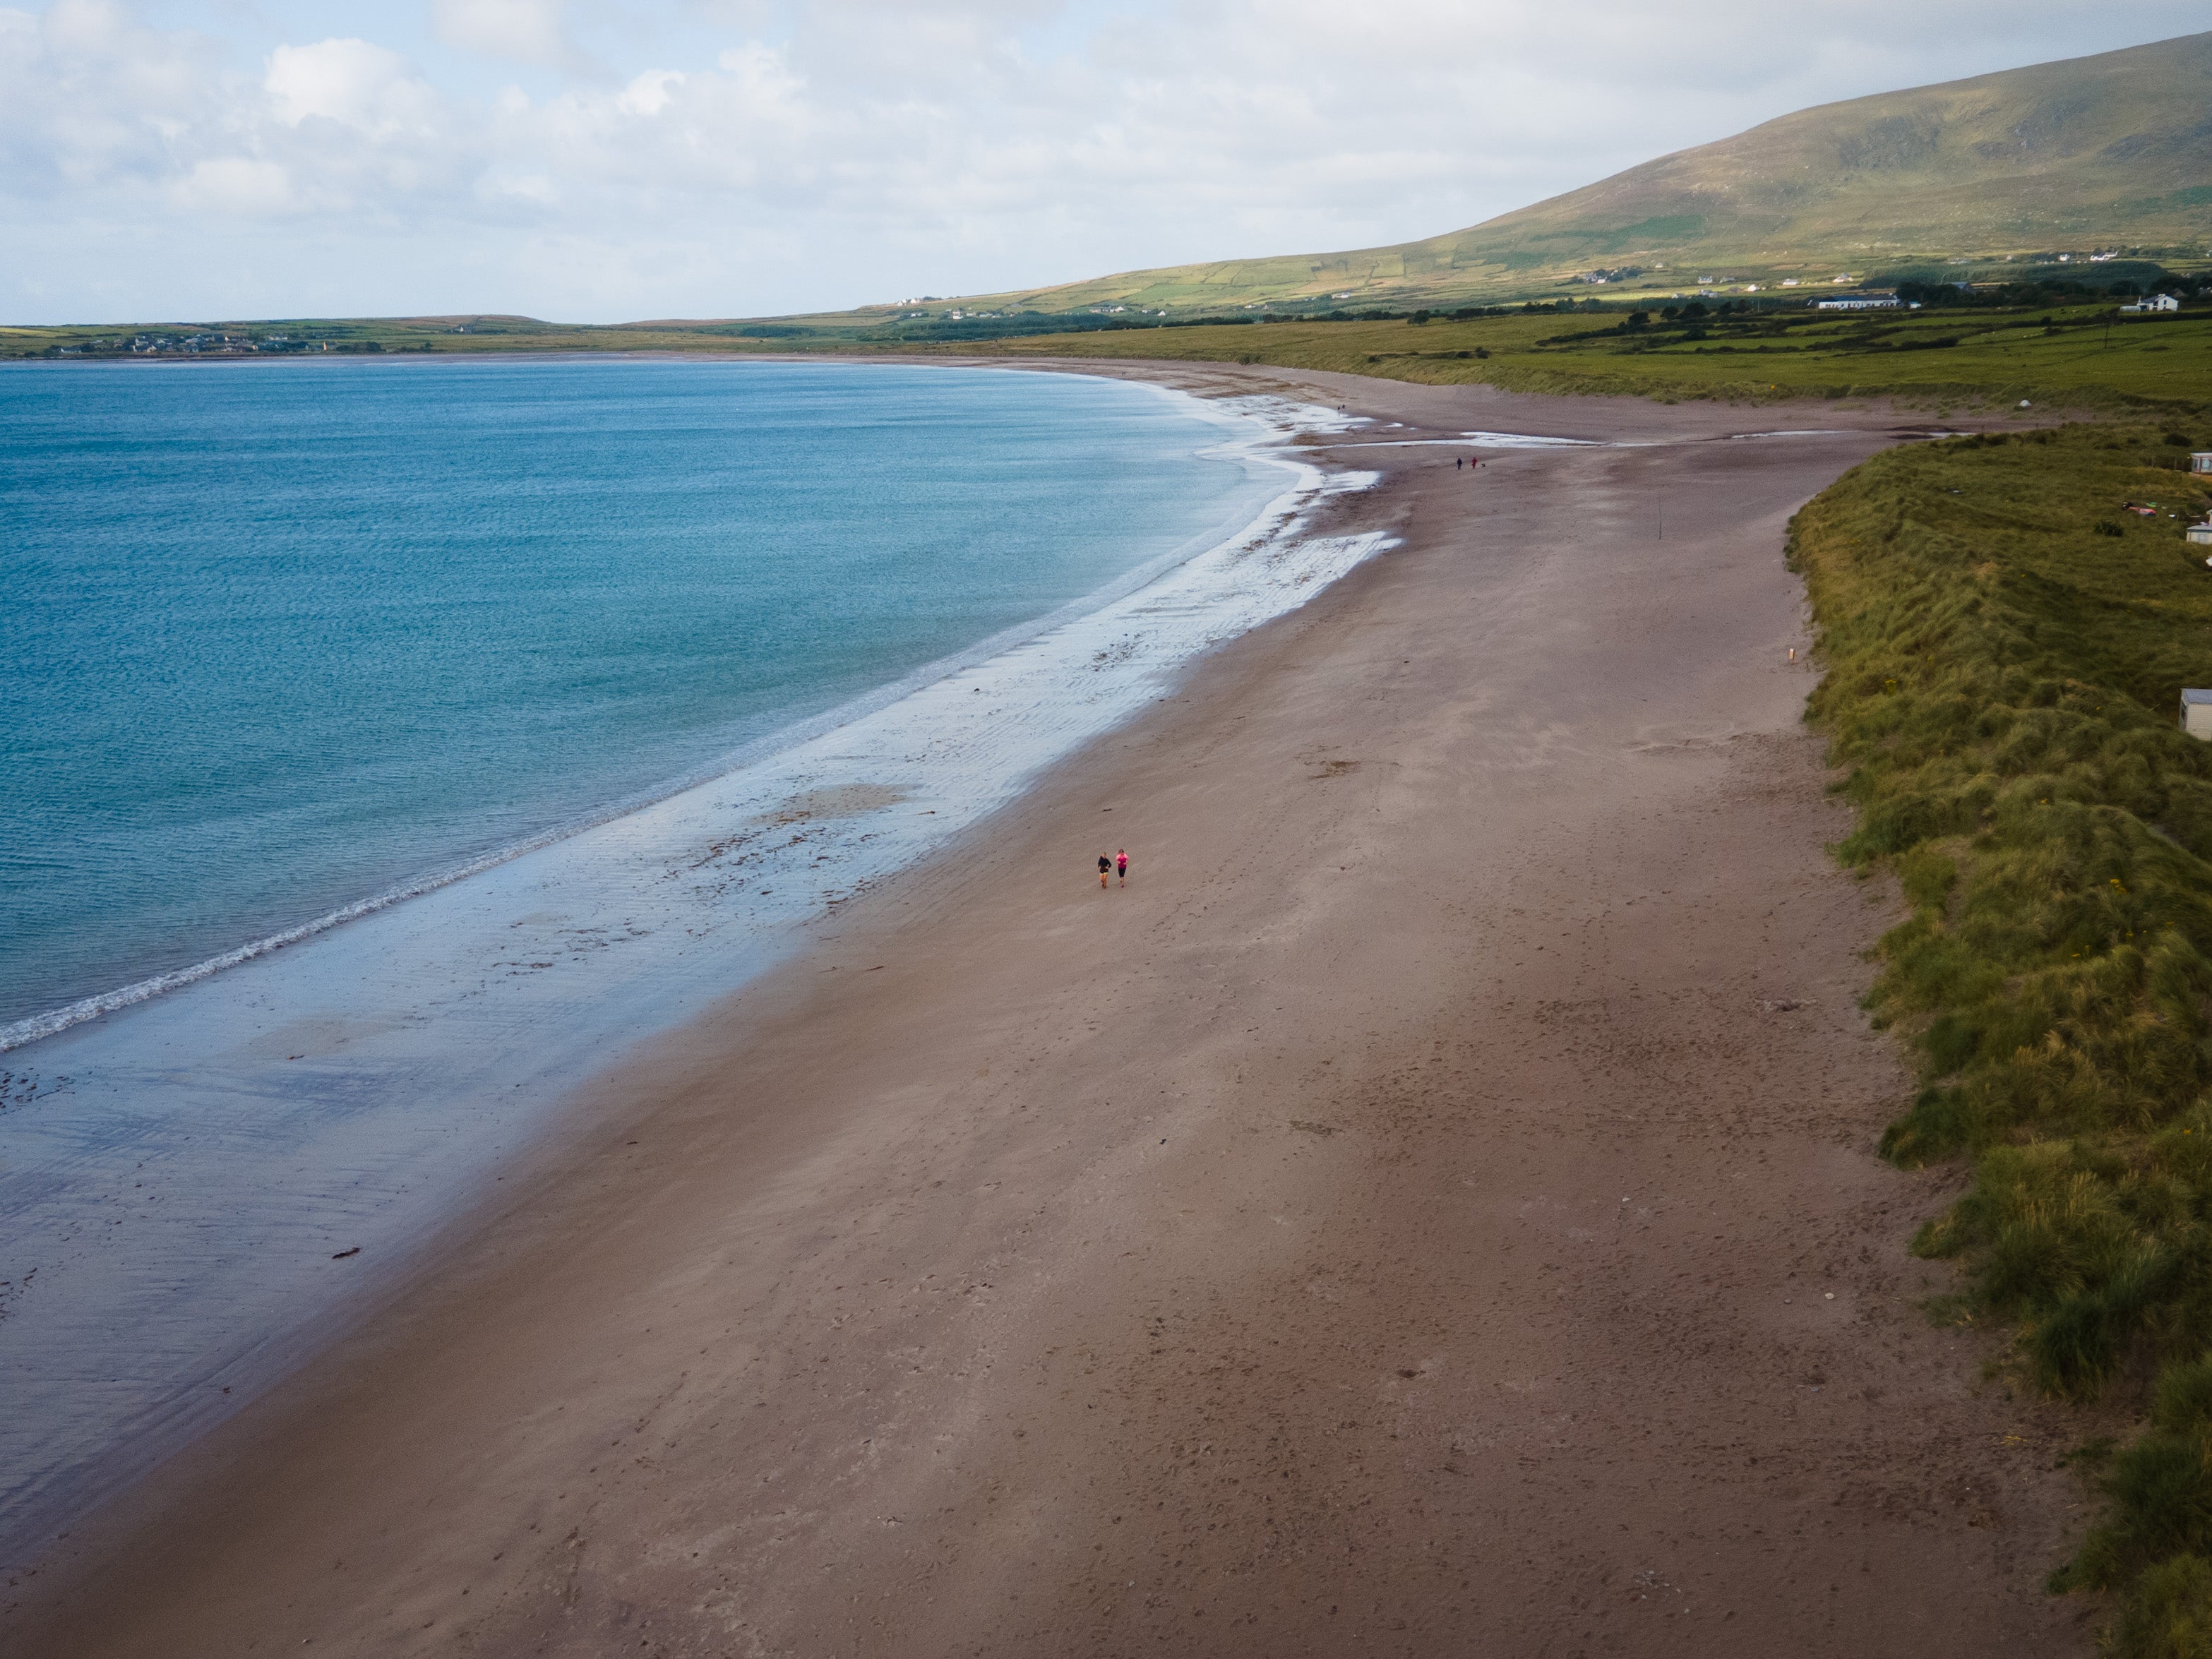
1430 1210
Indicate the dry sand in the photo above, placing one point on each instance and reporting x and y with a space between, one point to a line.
1432 1210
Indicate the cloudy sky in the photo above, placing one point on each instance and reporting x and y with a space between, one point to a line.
603 159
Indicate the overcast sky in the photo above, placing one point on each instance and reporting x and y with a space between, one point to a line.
604 160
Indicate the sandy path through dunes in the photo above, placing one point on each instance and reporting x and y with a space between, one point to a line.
1429 1211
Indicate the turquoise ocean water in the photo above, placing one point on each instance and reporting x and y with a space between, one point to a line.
280 637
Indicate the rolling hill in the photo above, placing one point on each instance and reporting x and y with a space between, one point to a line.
2084 155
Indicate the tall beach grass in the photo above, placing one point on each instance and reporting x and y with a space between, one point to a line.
2005 639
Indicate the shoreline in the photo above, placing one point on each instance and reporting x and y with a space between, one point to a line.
1203 1243
21 1033
344 1088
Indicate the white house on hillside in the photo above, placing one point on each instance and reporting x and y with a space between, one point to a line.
2154 302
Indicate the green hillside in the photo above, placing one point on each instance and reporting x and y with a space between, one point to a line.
2088 155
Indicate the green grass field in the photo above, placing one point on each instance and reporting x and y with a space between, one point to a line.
1938 358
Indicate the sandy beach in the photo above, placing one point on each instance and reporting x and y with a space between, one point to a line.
1431 1209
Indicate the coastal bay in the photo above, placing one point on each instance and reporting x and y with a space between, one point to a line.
1432 1206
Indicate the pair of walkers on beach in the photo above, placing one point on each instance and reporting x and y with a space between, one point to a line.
1119 862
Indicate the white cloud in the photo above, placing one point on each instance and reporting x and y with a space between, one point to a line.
354 83
649 93
535 189
704 158
233 184
517 31
760 74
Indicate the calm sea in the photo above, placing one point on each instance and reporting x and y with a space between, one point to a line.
280 637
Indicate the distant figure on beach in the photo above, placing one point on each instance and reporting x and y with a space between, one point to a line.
1121 865
1458 462
1104 865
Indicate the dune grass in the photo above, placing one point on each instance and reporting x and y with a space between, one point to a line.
2005 646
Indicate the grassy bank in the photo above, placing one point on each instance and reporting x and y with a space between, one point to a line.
2005 646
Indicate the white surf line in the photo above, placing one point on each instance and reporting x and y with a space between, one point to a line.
197 1190
1479 440
1532 441
1529 440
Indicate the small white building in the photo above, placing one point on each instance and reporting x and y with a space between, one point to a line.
2201 461
2200 535
1859 302
2154 303
2196 713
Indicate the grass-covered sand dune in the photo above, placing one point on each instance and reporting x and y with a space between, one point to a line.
2005 644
